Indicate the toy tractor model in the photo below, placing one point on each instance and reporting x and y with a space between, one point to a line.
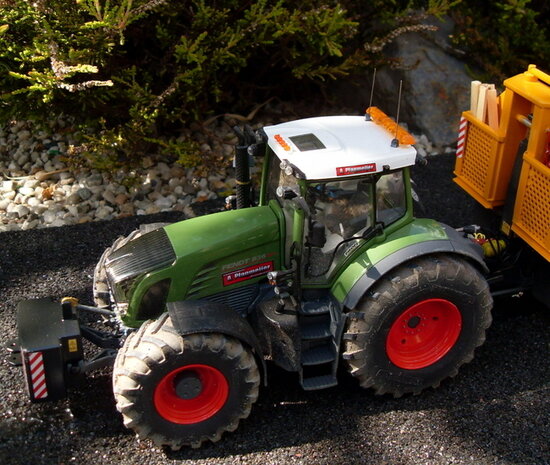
330 267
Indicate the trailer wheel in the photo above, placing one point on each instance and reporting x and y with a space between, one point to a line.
183 390
418 325
102 297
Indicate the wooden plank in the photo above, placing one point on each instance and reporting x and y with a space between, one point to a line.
492 107
481 109
474 95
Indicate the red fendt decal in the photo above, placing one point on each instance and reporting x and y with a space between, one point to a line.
252 271
357 169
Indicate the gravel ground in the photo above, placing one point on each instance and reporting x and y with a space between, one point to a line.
495 412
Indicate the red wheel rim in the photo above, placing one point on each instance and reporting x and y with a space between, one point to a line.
423 334
209 396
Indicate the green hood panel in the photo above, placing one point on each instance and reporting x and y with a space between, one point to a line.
222 251
230 230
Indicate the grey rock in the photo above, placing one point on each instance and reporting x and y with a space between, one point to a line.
24 135
94 179
58 222
109 197
83 208
22 160
84 193
73 199
104 212
30 224
188 188
436 85
164 202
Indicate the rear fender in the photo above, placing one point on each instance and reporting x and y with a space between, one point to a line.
454 244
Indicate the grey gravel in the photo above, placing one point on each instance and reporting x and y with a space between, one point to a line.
496 411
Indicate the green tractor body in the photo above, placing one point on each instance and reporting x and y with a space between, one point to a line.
328 267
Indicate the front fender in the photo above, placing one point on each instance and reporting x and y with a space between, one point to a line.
201 316
423 238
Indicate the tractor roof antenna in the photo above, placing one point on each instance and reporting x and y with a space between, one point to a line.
367 116
395 142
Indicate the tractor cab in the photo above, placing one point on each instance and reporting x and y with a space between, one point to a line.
340 181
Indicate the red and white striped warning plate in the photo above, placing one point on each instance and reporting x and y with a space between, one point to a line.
462 130
37 375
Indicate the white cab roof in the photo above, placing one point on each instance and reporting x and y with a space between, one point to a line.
329 147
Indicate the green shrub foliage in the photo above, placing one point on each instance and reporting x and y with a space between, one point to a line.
502 37
134 71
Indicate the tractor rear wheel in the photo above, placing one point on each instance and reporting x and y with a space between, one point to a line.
183 390
418 325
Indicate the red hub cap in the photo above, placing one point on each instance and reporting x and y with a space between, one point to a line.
423 334
191 394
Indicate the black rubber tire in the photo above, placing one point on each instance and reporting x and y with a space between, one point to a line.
153 352
102 296
444 277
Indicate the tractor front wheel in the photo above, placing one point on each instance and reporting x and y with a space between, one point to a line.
418 325
183 390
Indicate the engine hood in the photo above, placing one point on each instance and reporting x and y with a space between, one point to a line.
210 248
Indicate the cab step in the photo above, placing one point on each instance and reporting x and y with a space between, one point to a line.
319 382
315 331
318 356
316 307
321 322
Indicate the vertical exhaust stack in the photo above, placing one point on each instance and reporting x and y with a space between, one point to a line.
249 144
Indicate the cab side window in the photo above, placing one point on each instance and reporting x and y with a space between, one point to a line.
391 203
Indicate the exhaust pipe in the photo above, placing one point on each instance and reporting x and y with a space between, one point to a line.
250 144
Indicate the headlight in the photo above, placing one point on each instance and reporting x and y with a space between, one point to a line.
154 300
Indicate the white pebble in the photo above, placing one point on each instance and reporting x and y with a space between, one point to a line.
6 186
58 222
49 216
27 191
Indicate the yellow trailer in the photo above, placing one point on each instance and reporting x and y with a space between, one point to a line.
507 169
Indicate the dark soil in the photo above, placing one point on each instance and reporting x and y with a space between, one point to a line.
496 411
